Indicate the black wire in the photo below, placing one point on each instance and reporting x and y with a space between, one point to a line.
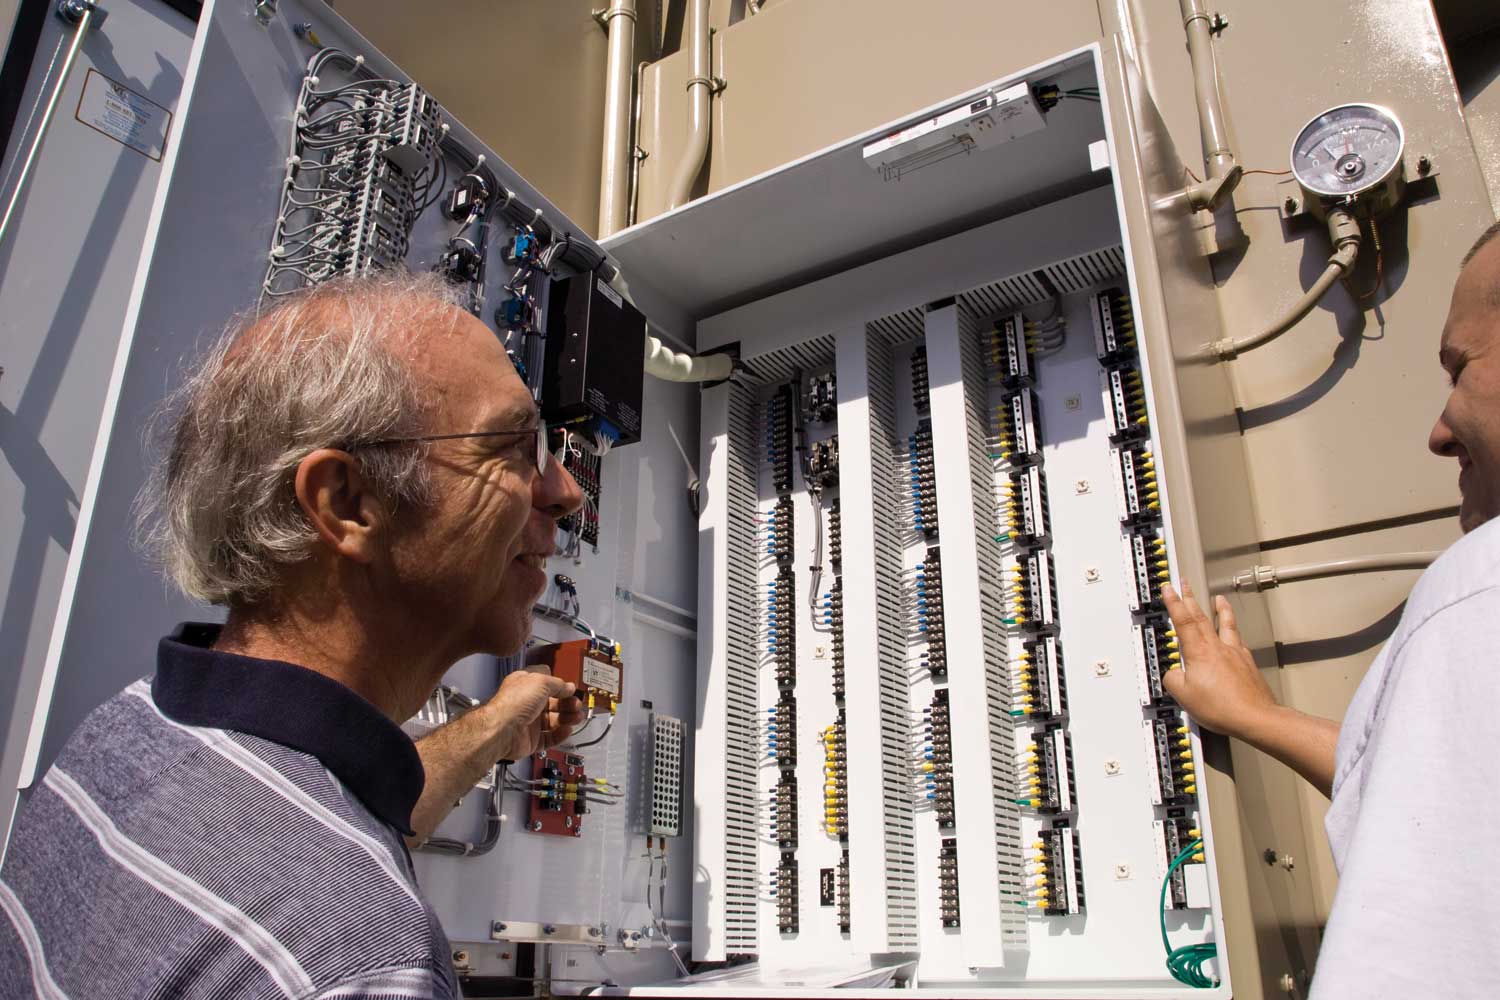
596 739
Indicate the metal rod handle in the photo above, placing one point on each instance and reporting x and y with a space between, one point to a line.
81 14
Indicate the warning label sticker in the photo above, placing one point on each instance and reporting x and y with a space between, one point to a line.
602 676
115 110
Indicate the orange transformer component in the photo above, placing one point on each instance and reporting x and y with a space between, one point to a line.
593 667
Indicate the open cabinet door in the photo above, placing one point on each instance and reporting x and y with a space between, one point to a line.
77 192
204 259
1269 915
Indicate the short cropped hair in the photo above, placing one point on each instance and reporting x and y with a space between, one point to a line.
315 370
1479 244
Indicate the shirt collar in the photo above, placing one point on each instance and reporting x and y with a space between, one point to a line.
293 706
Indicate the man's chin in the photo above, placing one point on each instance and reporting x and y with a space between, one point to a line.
1473 515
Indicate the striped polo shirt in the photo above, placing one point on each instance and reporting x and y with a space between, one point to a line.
230 828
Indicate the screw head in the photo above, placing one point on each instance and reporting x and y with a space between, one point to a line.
593 932
1111 767
1080 486
1122 872
1101 668
1290 206
549 929
1091 574
568 822
1424 165
537 826
497 926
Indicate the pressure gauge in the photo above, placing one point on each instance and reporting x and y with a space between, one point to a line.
1351 156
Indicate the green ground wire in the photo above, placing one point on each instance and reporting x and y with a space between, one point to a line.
1186 964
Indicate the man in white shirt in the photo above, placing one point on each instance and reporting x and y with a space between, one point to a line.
1415 819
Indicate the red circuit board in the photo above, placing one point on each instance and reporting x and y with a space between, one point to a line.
559 813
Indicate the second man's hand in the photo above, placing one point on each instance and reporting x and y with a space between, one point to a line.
1223 690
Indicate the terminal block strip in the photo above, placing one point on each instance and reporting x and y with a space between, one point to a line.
1047 772
785 883
1169 750
1012 351
1146 568
935 768
948 882
1041 681
1024 515
779 531
1059 862
779 438
781 733
1156 652
919 393
781 627
836 780
1033 594
1136 488
921 481
1177 831
1124 403
1017 434
925 603
1114 325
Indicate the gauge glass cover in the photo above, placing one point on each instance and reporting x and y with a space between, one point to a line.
1347 150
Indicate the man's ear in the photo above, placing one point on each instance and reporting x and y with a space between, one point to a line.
338 503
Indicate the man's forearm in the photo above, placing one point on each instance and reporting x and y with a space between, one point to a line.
455 757
1305 743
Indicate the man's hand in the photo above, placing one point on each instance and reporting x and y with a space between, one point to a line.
530 712
1223 690
533 711
1222 687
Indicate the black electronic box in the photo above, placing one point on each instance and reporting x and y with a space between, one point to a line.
596 351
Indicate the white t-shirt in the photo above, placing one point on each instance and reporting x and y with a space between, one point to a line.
1415 819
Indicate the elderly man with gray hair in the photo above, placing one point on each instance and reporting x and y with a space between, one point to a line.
361 479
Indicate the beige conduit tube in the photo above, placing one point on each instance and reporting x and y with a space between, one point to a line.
664 363
673 366
614 168
699 90
1343 231
1223 173
1267 577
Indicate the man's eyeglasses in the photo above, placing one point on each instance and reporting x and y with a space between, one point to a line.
539 452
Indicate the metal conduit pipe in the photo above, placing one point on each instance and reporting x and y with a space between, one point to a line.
1343 231
1223 173
614 170
700 89
1267 577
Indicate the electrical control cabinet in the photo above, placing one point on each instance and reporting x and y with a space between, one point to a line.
914 734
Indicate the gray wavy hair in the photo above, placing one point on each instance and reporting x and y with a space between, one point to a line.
315 370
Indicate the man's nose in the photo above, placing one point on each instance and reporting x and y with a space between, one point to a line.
556 491
1440 440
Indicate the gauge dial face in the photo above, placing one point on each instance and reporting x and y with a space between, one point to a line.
1347 150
